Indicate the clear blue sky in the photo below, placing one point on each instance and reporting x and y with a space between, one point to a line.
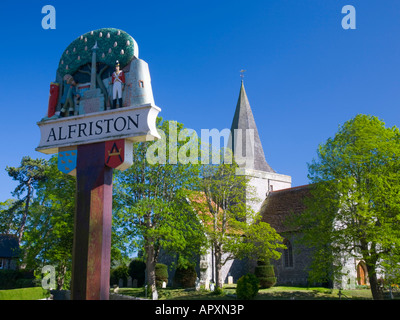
305 76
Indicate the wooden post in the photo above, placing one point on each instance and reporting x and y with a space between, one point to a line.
92 231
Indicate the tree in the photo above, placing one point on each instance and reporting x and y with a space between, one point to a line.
28 174
11 212
354 210
151 207
49 235
233 229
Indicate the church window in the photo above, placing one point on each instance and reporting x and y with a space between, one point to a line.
141 84
288 255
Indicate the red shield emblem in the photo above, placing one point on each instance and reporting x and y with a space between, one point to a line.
118 154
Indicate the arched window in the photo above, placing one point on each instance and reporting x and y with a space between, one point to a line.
288 254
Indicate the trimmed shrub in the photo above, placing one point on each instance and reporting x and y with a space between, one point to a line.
120 272
137 270
161 274
265 274
247 287
185 277
12 279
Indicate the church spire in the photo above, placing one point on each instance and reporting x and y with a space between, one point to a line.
244 120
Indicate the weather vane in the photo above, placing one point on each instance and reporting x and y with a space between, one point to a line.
242 73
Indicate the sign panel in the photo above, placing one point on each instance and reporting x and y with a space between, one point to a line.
119 154
102 92
67 158
134 123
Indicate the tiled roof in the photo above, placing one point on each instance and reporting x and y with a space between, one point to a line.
281 203
9 247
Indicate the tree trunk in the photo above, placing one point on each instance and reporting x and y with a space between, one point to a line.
151 269
218 266
24 217
376 291
61 277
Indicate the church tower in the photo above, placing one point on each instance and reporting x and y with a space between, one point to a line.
249 154
245 144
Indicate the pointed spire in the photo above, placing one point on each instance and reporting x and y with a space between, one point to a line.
244 120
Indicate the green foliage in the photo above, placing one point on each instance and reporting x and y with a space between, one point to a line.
42 217
106 39
11 279
151 210
247 287
185 276
137 270
29 174
234 229
264 271
120 272
353 208
11 213
161 274
218 291
49 238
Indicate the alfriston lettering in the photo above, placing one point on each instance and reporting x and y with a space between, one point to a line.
123 124
82 128
90 128
59 134
52 134
70 132
87 129
130 120
108 124
99 127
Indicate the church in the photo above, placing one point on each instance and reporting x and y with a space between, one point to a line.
278 200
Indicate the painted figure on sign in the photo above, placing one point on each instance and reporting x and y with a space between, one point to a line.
118 82
68 98
53 99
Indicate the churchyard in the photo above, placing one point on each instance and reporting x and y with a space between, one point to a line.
274 293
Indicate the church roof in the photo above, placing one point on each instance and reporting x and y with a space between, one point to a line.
280 204
242 120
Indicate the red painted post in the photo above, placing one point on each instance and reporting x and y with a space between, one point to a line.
92 231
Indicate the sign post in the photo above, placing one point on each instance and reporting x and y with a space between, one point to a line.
92 233
92 137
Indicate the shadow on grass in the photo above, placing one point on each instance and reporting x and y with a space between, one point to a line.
275 293
295 295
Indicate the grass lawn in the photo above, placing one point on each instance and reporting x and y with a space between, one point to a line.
274 293
35 293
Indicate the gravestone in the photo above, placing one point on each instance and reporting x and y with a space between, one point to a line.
207 284
129 284
134 283
230 280
197 284
212 286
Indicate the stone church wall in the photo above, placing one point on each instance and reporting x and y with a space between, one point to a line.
297 274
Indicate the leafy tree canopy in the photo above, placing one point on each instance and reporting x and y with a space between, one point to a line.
354 210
